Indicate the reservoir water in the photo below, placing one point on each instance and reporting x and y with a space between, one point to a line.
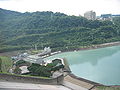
99 65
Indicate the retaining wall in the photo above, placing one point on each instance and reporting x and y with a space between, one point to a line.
27 79
85 80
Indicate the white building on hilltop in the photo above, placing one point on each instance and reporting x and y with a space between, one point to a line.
90 15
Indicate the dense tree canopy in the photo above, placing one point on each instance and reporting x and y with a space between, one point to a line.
57 30
39 70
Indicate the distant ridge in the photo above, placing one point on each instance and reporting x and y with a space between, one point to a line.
56 30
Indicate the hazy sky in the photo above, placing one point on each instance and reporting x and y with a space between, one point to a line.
70 7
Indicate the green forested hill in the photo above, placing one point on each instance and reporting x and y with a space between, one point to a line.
57 30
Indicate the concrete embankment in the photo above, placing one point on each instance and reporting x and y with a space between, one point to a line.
28 79
66 65
74 82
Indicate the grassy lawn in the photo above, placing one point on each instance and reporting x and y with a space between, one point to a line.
6 63
107 88
35 76
26 75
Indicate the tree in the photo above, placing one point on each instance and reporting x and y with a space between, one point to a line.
17 70
39 70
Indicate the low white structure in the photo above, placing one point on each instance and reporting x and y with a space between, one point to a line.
24 69
20 56
46 51
34 59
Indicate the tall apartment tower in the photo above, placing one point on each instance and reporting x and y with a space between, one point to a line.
90 15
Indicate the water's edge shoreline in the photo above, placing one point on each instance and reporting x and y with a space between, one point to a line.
73 76
95 46
89 48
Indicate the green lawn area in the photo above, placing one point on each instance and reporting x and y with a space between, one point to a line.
107 88
36 76
6 63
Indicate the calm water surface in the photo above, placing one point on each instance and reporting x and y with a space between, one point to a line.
98 65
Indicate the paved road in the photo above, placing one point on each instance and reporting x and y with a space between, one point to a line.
5 85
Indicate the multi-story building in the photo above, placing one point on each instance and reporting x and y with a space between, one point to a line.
106 17
116 15
90 15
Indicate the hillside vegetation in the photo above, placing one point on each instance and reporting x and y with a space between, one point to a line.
107 88
56 30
